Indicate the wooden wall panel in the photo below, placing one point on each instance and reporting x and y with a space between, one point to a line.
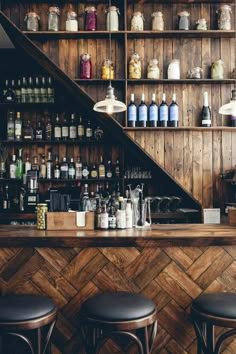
170 276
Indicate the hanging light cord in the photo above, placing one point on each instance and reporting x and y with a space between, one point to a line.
110 43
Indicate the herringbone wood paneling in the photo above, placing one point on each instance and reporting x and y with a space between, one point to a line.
171 277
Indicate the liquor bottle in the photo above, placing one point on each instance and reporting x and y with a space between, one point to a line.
30 91
57 129
72 128
117 168
80 129
85 171
12 167
6 199
142 112
10 127
78 169
64 169
35 165
43 91
121 215
132 112
89 131
19 165
18 91
65 129
206 112
163 112
43 168
109 172
101 169
71 171
174 113
24 96
18 126
112 218
49 166
129 214
28 131
10 95
56 172
27 165
39 131
94 171
106 193
104 217
48 130
5 88
85 199
50 91
37 90
98 214
153 112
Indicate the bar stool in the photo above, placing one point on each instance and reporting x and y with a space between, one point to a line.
208 311
25 315
114 314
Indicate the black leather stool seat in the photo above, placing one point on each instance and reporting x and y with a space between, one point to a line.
208 311
16 308
120 306
114 314
217 304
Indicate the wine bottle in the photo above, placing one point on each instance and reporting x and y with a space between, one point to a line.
132 112
163 112
173 112
65 129
206 112
18 126
153 112
142 112
72 128
57 129
10 127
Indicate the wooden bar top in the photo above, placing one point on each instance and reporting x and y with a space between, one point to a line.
191 235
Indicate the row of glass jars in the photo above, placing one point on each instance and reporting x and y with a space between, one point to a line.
112 21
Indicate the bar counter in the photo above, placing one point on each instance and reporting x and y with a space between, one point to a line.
171 264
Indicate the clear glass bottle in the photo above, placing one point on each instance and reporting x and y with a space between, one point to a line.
183 20
53 18
157 21
85 66
32 21
90 23
71 22
137 21
10 127
135 71
112 18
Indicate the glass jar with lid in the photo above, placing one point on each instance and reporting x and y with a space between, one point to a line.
153 71
157 21
201 24
32 21
183 20
107 70
135 71
217 70
173 72
85 66
53 18
90 18
137 21
71 22
112 19
224 17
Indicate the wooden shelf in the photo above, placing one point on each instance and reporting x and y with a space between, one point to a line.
48 35
180 81
47 142
98 81
178 128
181 34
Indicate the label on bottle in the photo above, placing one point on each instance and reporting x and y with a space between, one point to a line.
206 122
142 113
18 129
153 112
71 172
12 170
132 113
85 172
57 132
112 222
174 112
73 132
94 174
65 132
78 171
56 173
104 220
163 112
80 131
89 133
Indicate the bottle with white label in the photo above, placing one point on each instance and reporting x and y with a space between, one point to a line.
132 112
12 167
153 112
206 112
163 112
129 214
72 128
173 112
18 126
142 112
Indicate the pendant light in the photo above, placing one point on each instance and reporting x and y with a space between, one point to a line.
110 104
230 108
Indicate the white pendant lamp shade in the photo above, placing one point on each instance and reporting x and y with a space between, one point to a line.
229 108
110 104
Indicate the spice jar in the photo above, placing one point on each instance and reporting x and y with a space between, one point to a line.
32 21
53 18
135 71
157 21
201 24
153 71
71 22
107 70
112 19
173 71
194 73
183 20
85 66
224 17
90 18
217 70
137 22
41 216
